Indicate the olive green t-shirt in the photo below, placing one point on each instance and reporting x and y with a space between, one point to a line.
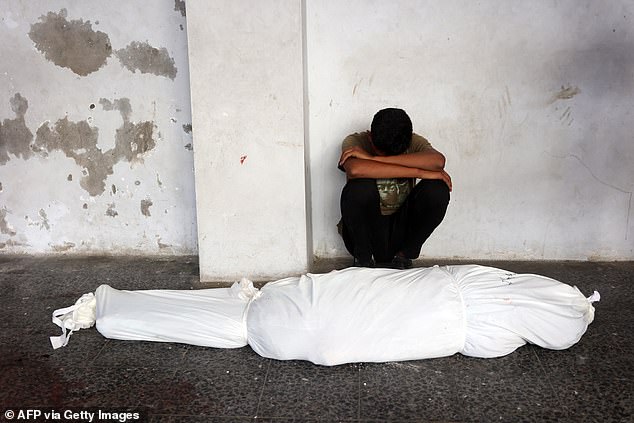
392 191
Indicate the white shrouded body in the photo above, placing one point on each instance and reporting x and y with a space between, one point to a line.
359 315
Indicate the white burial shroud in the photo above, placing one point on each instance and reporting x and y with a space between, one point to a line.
351 315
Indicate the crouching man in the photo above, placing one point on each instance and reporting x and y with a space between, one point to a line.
386 215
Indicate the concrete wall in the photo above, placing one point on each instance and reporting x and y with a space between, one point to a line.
531 102
247 99
95 135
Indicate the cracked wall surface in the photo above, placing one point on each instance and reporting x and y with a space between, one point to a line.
93 155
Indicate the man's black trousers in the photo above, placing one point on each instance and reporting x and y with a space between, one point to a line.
367 233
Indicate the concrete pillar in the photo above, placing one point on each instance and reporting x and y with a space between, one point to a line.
246 73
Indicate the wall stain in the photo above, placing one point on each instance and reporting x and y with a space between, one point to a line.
504 103
131 139
111 211
566 117
187 128
5 226
566 93
63 247
78 141
145 207
71 44
147 59
15 137
179 6
189 147
44 218
161 245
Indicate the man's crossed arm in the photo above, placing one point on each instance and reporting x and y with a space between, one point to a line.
430 164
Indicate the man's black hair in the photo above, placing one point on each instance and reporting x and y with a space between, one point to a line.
391 131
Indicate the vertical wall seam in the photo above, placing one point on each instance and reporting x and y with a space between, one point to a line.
306 109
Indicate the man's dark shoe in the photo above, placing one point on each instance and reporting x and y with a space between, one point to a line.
362 263
400 262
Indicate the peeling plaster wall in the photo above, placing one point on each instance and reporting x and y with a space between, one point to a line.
531 102
96 151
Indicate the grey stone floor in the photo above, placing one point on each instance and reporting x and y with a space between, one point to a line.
592 381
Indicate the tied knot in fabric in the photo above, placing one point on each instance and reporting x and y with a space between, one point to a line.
82 315
594 297
245 290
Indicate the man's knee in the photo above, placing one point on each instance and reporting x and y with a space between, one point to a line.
360 193
432 192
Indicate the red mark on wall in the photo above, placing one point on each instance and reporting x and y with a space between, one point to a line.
242 159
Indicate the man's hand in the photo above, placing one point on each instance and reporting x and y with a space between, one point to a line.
356 152
441 174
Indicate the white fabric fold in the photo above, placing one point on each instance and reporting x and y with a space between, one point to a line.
506 310
205 317
358 315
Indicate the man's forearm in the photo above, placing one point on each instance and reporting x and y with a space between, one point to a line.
432 160
365 168
361 168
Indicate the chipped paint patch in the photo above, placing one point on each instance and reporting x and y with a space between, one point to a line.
111 211
63 247
187 128
147 59
44 217
162 245
189 147
5 226
78 141
131 139
145 207
179 6
15 137
71 44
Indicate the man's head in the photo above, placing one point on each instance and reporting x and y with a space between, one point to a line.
391 131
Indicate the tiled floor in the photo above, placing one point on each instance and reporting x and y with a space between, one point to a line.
592 381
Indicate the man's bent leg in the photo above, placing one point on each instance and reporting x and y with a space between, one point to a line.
421 213
364 228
